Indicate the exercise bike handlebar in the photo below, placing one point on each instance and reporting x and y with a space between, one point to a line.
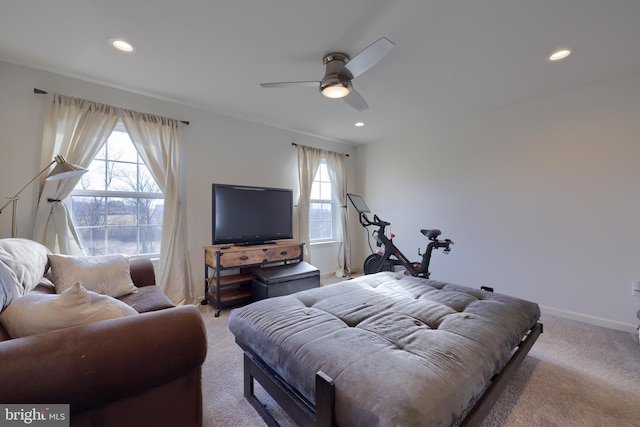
365 221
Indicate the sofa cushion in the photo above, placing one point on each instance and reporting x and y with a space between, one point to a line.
22 264
37 313
104 274
148 298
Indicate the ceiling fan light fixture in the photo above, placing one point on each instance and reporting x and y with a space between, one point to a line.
336 82
340 70
336 91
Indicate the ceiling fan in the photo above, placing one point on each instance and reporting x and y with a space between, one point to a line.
340 71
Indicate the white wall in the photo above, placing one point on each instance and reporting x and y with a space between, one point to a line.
216 149
540 198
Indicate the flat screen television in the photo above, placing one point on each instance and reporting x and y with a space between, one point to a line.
244 215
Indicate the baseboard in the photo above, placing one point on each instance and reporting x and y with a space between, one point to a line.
597 321
331 275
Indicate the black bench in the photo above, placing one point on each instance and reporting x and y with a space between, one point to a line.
284 280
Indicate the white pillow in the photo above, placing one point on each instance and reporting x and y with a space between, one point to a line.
10 290
104 274
37 313
23 263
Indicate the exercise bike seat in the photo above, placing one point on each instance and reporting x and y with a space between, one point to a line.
431 234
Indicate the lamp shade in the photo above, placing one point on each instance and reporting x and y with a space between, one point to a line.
64 170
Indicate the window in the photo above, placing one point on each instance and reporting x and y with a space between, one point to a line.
117 207
322 208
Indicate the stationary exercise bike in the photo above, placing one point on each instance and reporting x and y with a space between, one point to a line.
388 256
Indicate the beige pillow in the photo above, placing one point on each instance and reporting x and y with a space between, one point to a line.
38 313
23 262
104 274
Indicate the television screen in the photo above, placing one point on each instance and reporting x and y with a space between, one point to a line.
251 215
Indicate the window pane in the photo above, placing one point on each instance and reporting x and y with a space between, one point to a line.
315 212
325 191
315 191
319 230
121 148
93 239
123 239
121 211
150 238
95 178
315 230
322 170
124 177
150 211
320 220
88 211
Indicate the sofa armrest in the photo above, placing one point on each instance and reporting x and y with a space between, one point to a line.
89 365
142 272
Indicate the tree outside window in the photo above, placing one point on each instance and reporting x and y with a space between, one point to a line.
117 207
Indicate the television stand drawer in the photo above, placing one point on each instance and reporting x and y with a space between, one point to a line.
284 252
242 256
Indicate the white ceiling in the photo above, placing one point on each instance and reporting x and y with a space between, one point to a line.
452 58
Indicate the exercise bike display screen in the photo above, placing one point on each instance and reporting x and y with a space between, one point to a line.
358 203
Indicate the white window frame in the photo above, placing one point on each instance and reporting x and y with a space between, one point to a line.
334 205
111 194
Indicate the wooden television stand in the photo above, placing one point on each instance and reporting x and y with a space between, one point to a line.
234 289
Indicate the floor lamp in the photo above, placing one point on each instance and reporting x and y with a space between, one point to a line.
63 170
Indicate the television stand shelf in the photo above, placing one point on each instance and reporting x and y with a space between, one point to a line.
234 289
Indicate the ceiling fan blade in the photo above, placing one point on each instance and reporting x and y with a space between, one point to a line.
356 100
368 57
290 84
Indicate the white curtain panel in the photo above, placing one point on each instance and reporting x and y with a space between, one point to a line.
157 140
309 160
75 129
337 168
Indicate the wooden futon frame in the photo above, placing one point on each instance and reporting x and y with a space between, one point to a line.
322 414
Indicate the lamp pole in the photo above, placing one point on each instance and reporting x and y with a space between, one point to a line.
14 200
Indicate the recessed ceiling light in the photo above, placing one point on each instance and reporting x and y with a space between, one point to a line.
560 54
122 45
359 124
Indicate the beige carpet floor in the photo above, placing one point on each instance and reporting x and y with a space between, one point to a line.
576 375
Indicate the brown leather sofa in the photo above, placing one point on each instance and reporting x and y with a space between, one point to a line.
142 370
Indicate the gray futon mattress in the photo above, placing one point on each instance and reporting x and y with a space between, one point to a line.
403 351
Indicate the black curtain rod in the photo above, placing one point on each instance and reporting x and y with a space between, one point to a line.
44 92
344 154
